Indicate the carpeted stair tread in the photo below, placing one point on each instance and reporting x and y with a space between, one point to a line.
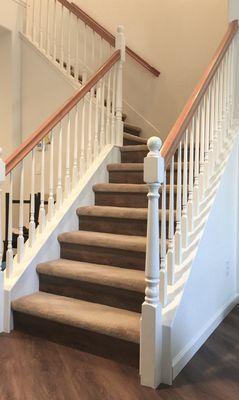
94 273
107 240
125 167
121 187
139 147
124 187
134 130
136 139
94 317
115 212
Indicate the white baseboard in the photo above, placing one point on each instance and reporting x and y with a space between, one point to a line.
185 355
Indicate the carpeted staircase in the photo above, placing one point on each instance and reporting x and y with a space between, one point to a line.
91 297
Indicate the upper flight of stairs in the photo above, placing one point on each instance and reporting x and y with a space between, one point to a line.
91 297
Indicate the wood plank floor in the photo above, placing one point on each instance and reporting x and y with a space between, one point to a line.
33 369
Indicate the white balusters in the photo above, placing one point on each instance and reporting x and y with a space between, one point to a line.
102 113
196 198
113 132
2 179
151 328
68 146
90 136
163 268
171 220
119 44
108 105
32 225
9 255
75 163
59 173
202 151
178 233
42 212
51 204
184 221
82 142
54 30
190 179
20 239
96 131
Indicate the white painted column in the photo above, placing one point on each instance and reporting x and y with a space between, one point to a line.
2 179
151 324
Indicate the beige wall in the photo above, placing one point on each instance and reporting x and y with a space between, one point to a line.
176 36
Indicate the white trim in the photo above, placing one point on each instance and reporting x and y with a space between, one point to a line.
185 355
49 61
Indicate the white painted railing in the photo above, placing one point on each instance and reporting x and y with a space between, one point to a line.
55 28
192 154
58 154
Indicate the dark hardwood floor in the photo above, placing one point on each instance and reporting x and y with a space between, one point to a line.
34 369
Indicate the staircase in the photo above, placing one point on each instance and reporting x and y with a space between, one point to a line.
123 284
91 297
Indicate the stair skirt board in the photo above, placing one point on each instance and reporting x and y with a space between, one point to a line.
26 280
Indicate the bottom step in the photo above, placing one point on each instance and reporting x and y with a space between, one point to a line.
102 330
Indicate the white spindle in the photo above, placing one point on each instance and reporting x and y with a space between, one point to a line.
42 212
77 51
113 133
96 130
171 253
54 30
108 105
151 325
9 255
196 197
41 15
202 151
207 135
48 29
90 136
190 180
20 239
62 37
2 179
84 74
212 128
119 44
82 141
102 113
69 44
68 147
163 280
51 205
178 233
75 162
32 225
185 192
59 173
216 121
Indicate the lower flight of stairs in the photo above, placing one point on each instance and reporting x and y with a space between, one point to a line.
91 297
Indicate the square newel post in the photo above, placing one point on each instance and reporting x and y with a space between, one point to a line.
119 45
151 323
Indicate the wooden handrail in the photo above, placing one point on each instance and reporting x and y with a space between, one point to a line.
28 145
174 137
106 35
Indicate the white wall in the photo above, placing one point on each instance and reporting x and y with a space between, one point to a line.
177 37
213 283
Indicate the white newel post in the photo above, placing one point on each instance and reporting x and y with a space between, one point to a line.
151 325
2 179
119 45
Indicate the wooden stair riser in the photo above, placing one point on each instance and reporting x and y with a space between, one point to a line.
136 177
91 291
85 340
103 255
124 199
121 226
133 156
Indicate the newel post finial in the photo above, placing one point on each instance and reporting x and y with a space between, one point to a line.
151 326
119 45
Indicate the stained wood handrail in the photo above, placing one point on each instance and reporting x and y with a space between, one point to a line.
174 137
106 35
28 145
